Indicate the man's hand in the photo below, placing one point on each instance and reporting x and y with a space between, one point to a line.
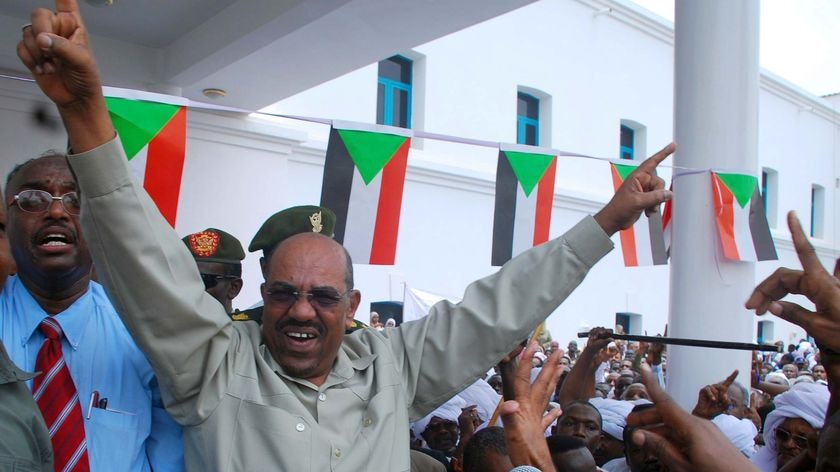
714 399
642 190
596 344
523 415
814 282
56 50
685 443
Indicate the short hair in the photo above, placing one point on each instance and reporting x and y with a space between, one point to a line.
492 438
560 443
587 404
744 392
52 153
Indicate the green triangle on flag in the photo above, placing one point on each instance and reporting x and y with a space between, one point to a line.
528 168
742 186
370 151
623 170
137 121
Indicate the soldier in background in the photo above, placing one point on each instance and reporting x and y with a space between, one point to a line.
218 256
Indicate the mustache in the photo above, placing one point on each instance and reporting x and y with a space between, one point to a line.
284 323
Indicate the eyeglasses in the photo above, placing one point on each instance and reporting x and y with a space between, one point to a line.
39 201
325 298
211 280
784 435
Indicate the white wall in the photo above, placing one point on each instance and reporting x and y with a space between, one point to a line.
598 70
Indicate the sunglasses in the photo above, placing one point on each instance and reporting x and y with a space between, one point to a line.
211 280
39 201
783 436
323 297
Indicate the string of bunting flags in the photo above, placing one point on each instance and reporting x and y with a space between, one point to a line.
364 179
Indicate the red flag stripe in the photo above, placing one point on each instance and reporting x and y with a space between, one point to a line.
626 236
725 217
545 203
165 165
384 245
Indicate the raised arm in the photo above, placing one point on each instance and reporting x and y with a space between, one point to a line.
500 310
148 273
580 384
822 288
56 49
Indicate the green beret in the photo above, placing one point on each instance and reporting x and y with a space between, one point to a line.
214 245
292 221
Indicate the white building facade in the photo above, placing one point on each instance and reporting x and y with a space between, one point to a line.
593 65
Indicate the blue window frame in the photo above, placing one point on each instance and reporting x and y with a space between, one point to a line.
764 179
813 211
628 138
527 119
393 105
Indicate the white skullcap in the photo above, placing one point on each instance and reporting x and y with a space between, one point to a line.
777 375
614 415
482 395
450 410
807 401
740 432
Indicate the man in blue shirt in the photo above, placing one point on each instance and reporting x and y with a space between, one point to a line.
125 424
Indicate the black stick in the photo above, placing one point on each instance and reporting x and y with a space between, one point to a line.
693 342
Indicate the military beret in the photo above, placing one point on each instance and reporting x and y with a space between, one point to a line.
214 245
292 221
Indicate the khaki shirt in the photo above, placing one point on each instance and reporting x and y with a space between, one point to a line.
241 412
24 440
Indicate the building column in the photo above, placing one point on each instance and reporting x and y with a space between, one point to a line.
716 126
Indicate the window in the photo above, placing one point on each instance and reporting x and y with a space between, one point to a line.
817 205
527 119
393 105
630 322
628 142
769 194
764 332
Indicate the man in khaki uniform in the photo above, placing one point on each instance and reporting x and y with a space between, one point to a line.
294 393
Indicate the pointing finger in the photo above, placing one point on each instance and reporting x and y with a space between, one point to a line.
804 249
649 164
731 378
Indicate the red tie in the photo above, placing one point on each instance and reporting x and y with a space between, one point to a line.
56 396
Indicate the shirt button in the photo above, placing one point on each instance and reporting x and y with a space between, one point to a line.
322 397
300 427
337 452
367 422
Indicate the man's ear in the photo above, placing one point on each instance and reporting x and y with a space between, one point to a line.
234 288
262 267
355 300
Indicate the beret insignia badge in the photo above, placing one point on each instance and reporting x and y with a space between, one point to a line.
204 244
315 219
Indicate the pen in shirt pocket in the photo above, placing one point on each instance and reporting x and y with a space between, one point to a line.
102 403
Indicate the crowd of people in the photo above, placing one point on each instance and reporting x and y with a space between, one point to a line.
121 350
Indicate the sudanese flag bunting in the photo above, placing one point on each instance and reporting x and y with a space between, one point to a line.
154 136
364 176
740 217
667 226
524 199
642 244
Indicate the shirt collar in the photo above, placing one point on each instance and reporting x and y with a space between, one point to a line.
73 320
343 369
